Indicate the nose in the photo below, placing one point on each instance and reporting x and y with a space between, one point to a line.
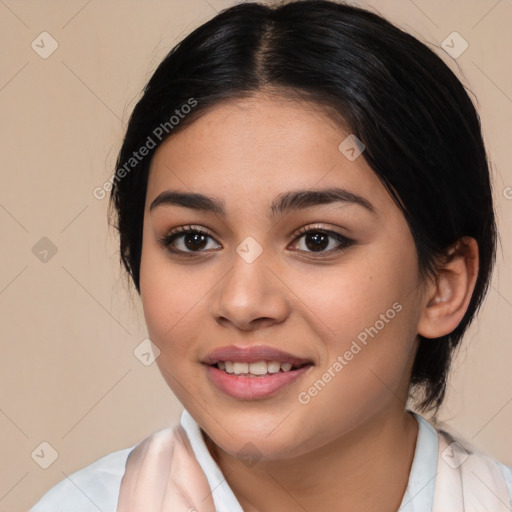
250 296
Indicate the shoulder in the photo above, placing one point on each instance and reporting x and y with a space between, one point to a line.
480 473
507 475
500 473
93 488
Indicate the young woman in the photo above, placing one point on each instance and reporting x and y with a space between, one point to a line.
304 206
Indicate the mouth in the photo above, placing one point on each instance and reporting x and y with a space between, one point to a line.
254 372
256 369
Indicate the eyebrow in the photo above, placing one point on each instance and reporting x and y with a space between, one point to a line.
284 203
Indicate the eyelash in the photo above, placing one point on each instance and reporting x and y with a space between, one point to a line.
169 238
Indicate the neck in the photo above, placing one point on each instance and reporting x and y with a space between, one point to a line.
366 469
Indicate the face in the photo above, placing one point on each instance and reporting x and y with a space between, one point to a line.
256 278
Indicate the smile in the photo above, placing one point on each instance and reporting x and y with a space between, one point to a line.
257 369
253 372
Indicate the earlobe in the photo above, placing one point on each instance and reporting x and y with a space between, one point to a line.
449 293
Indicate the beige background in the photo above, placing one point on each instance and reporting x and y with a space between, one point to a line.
69 325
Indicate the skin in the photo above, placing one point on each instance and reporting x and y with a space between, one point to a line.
355 433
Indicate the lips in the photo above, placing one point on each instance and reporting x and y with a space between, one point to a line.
253 354
254 372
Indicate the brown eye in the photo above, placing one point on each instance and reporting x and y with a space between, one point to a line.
185 240
321 241
316 241
194 241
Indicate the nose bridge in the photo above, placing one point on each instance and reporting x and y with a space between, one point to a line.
246 282
250 291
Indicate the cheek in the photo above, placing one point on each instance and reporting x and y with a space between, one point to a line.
344 300
171 299
168 295
367 313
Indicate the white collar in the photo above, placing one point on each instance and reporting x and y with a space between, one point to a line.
223 497
418 496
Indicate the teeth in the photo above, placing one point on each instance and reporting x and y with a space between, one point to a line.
258 368
239 368
273 366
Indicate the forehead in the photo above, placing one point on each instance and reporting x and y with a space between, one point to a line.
258 147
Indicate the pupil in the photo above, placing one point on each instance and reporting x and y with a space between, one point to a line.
318 241
197 241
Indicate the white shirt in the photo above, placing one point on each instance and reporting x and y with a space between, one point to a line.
96 487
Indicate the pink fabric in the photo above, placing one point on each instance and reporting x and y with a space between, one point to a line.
162 475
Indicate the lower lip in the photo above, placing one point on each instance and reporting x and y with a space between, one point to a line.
253 388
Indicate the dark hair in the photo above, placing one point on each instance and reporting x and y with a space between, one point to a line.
420 129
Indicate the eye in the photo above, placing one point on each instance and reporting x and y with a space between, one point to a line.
187 239
315 239
309 239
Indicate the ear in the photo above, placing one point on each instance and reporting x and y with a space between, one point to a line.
448 295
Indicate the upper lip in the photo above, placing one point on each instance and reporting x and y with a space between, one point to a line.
253 354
